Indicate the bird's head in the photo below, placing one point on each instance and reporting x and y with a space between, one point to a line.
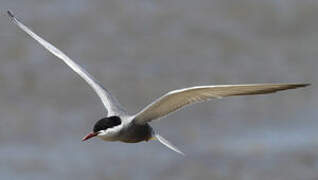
102 125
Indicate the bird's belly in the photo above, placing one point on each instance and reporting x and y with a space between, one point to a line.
136 133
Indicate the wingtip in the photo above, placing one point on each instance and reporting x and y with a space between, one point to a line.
10 14
299 85
303 85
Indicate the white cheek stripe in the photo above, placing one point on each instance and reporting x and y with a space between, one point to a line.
114 129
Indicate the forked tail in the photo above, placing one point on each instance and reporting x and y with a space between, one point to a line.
167 143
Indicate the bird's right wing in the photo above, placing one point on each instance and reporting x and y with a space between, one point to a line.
177 99
111 104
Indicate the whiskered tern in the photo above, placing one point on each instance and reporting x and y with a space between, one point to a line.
118 125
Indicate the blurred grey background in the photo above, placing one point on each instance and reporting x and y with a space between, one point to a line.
140 49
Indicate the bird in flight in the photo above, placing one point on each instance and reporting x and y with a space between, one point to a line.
118 125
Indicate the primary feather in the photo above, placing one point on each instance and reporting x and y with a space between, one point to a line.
177 99
110 102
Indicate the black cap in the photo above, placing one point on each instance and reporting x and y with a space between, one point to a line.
106 123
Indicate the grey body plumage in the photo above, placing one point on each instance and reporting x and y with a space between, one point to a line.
136 133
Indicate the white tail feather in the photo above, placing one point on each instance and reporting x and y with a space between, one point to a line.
168 144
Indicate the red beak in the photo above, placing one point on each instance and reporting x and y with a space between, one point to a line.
89 135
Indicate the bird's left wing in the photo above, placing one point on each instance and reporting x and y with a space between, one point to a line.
110 102
177 99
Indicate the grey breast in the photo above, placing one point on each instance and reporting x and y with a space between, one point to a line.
137 133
